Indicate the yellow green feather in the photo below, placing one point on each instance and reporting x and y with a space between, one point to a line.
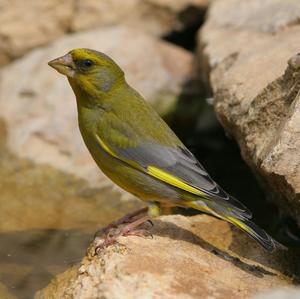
172 180
104 146
238 223
156 172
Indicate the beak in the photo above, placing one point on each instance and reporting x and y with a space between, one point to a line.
64 65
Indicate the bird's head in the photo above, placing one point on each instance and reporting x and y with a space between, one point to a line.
89 72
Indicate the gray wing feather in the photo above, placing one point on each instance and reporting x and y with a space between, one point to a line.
180 162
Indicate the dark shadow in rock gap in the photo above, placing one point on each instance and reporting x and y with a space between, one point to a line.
195 123
191 18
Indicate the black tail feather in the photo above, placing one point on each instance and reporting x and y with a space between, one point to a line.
258 234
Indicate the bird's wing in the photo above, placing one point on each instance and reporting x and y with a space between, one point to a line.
174 165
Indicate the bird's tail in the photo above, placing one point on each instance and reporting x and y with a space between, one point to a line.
257 233
239 221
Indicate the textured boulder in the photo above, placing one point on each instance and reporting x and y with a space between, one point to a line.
29 24
48 218
245 49
5 294
286 293
39 107
41 197
157 17
195 257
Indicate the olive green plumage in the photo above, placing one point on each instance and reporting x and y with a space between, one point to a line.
137 150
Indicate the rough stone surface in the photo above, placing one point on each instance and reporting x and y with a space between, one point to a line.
46 20
286 293
41 197
39 107
244 48
5 293
195 257
48 218
157 17
38 197
42 22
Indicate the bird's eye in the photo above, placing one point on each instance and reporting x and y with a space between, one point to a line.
84 64
87 63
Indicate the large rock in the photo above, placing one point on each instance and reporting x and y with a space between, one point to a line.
39 107
196 257
244 48
5 293
157 17
29 24
286 293
48 218
41 197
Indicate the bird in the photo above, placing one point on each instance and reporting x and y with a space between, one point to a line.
138 151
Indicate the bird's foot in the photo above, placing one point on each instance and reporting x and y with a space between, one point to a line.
129 218
130 229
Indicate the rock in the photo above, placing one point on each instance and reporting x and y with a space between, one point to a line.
41 197
39 107
48 218
30 24
5 293
157 17
243 49
268 16
195 257
287 293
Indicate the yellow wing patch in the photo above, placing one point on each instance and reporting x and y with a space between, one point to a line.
172 180
237 223
155 172
105 147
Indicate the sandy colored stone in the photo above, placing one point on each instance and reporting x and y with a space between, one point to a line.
41 197
286 293
157 17
244 49
188 257
269 16
5 293
48 218
39 107
28 24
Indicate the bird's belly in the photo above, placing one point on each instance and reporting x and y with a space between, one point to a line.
132 180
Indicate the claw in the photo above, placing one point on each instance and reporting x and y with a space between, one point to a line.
106 243
151 222
127 230
130 218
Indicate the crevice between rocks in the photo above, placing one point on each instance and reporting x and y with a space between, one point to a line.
200 140
192 17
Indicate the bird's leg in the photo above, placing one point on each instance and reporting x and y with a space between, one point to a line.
126 219
127 230
131 221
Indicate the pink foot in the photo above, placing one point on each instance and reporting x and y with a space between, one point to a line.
127 230
129 218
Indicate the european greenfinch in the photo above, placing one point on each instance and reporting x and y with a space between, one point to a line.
137 150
